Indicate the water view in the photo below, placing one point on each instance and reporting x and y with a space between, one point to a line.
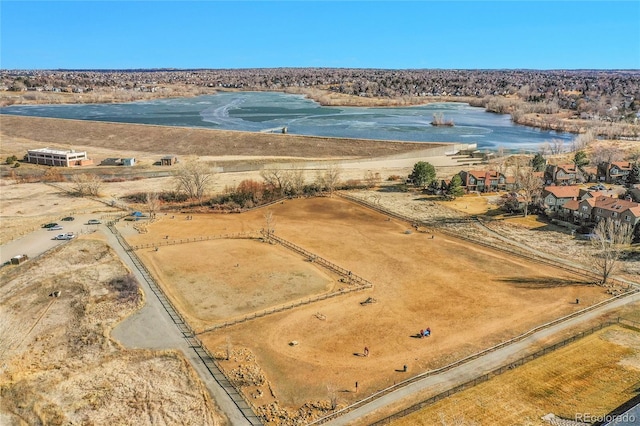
270 111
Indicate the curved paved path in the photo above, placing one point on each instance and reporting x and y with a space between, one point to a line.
479 366
152 327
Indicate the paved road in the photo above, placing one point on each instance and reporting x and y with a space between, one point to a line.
480 366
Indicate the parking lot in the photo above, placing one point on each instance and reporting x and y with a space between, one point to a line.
43 239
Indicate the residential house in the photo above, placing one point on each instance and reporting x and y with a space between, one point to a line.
615 172
589 173
591 210
562 174
554 197
483 180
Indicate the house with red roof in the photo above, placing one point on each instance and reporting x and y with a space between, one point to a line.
562 174
615 172
593 209
483 180
554 197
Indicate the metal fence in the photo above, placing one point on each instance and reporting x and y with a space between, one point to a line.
239 235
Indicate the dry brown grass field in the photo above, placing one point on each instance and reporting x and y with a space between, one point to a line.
593 375
58 363
471 297
162 140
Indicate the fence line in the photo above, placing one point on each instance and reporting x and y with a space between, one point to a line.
210 362
348 277
238 235
496 372
475 356
513 250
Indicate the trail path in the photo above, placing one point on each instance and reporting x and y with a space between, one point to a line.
153 327
479 366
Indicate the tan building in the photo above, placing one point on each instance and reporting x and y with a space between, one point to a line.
57 157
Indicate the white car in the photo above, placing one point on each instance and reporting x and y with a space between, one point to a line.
93 222
67 236
55 228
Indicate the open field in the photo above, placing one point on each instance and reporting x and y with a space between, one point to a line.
59 365
594 375
213 281
471 297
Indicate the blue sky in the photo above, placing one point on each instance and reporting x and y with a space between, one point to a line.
347 34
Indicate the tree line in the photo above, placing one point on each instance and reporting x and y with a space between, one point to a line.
595 94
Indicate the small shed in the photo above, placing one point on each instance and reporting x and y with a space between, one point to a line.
168 160
16 260
129 161
111 162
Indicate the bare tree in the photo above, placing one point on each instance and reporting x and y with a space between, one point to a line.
332 391
87 184
609 239
152 201
529 186
296 178
269 224
372 179
329 178
194 178
606 154
583 140
278 179
557 146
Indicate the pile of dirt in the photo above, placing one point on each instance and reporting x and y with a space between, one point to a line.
59 364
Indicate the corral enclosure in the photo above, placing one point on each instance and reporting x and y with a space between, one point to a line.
217 280
471 297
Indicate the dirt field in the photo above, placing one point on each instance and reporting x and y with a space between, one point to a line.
213 281
593 375
470 297
59 365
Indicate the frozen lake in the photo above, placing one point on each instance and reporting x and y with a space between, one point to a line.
261 111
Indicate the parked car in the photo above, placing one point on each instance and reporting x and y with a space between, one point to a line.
93 222
68 218
598 187
49 225
55 228
67 236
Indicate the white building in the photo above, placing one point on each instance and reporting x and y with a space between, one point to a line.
56 157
